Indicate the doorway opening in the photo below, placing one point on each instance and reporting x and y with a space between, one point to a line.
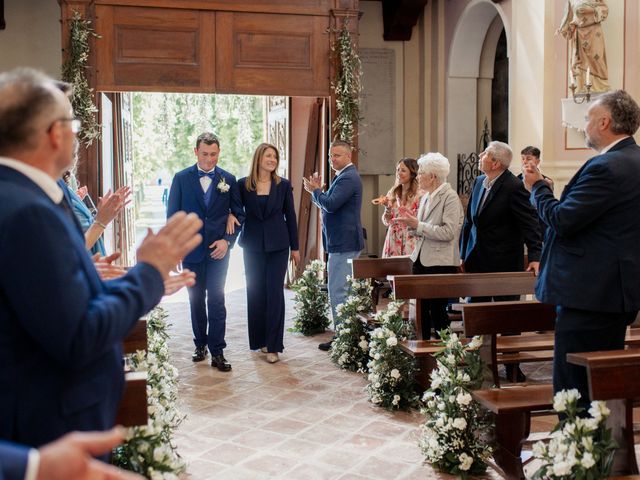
164 129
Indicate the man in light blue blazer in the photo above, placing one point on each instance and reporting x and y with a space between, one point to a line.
211 193
590 265
341 224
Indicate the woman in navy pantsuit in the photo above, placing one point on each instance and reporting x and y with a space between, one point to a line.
268 233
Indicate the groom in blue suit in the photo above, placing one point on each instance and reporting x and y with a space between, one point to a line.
211 193
590 266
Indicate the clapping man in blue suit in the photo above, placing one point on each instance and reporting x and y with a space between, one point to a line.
211 193
61 327
590 266
341 224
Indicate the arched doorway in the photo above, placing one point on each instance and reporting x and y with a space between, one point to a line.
477 57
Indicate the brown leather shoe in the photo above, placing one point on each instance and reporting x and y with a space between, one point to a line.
220 363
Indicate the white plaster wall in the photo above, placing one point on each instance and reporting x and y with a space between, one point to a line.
32 37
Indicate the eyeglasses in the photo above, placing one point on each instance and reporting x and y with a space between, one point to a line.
76 124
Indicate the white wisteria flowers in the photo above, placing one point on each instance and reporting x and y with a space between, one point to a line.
149 450
452 435
350 347
311 302
580 448
391 371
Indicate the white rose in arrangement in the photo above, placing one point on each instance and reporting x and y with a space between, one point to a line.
465 461
460 423
587 460
395 373
561 469
392 341
363 344
463 398
396 400
599 410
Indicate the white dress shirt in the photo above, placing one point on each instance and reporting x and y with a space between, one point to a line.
205 181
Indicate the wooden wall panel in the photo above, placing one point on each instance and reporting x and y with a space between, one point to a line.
305 7
155 49
272 54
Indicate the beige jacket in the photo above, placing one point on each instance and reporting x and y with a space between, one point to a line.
439 229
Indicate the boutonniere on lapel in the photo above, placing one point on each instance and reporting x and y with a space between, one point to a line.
223 186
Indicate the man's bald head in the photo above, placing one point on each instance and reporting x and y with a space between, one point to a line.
29 103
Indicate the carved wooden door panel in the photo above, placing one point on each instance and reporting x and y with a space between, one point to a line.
124 228
277 109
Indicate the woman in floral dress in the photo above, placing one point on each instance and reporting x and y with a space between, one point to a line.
401 239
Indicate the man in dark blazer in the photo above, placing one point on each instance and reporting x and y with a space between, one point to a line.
341 224
590 265
61 327
211 193
500 219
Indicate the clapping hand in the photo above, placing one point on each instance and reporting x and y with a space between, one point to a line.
407 218
165 249
106 269
186 278
312 183
112 204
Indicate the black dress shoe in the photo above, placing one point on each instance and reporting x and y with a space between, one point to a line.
199 354
220 363
325 347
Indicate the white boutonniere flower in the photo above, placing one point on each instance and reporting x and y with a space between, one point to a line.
223 186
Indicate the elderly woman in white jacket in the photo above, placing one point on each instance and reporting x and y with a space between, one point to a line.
437 226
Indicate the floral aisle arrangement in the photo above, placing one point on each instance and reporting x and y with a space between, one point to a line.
149 450
391 371
580 448
454 437
312 303
350 347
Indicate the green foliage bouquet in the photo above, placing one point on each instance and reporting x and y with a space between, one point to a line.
312 303
454 435
391 371
350 347
580 448
149 450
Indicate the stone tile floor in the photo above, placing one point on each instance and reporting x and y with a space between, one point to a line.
301 418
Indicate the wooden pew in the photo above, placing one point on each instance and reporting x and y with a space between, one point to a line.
613 376
137 338
513 407
132 410
420 287
380 268
493 319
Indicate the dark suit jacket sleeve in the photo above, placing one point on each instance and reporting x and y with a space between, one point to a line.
339 194
467 226
590 197
527 218
290 218
52 289
13 461
175 194
237 209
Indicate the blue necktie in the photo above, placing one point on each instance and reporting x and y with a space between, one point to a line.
209 192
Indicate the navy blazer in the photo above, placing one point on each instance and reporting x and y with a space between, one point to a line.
276 228
186 194
493 238
13 461
591 255
61 327
340 206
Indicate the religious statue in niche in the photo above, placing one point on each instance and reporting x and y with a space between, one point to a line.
582 26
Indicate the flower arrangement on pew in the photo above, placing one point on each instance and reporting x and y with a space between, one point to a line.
580 448
312 302
454 437
391 371
149 450
350 347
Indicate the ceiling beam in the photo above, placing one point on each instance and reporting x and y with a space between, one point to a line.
400 16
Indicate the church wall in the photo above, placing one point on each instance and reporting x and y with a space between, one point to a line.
32 36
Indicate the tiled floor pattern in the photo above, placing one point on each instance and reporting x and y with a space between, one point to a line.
301 418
